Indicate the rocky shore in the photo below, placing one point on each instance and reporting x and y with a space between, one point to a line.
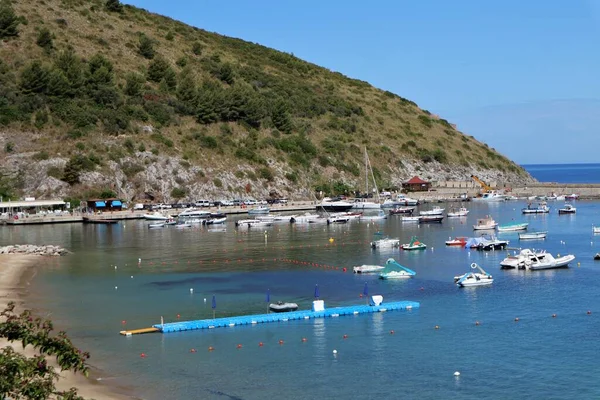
46 250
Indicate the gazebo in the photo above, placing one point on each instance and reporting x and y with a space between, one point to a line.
416 184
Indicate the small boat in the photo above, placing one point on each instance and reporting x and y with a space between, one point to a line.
259 210
171 221
480 278
304 218
156 225
402 210
548 262
567 209
280 306
413 219
457 241
597 256
155 216
381 215
183 225
485 223
573 196
366 269
385 242
396 271
491 243
338 219
436 210
517 226
414 245
542 208
431 218
214 221
461 212
596 229
334 204
491 196
533 235
518 261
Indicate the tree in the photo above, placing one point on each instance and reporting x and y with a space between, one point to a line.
157 69
34 78
146 47
178 193
134 84
281 117
197 48
113 6
71 66
9 22
225 73
45 40
32 377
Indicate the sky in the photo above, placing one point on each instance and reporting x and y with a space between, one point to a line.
521 76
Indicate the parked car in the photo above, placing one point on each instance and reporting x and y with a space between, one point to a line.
224 203
203 203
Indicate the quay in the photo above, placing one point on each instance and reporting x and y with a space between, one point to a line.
274 317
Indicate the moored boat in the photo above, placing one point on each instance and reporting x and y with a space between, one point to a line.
402 210
567 209
414 245
549 262
542 208
334 205
396 271
436 210
281 306
431 218
156 225
461 212
486 223
533 235
411 219
488 243
491 196
471 278
366 269
385 242
457 241
573 196
516 226
156 216
518 261
260 210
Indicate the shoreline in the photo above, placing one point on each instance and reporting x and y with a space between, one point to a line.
16 273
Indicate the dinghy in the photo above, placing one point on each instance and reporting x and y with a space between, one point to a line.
280 306
471 278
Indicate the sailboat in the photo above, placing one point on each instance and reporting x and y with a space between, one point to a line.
365 203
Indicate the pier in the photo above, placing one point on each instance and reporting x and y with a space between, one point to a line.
274 317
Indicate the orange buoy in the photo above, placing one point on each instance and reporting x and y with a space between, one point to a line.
345 336
304 339
280 341
143 355
239 346
260 344
192 350
210 348
123 322
392 332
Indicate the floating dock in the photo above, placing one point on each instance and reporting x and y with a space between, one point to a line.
139 331
279 317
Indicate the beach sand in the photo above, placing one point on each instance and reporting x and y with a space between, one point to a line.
16 272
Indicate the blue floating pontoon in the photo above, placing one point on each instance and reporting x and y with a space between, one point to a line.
283 317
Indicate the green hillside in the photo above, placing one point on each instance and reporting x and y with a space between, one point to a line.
100 86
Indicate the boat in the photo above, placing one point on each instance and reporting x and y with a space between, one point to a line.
335 204
567 209
596 229
461 212
573 196
517 261
436 210
366 269
304 218
171 221
257 222
214 221
183 225
485 223
488 243
385 242
337 219
597 256
280 306
194 213
491 196
471 278
516 226
533 235
260 210
396 271
548 262
156 225
402 200
364 203
378 217
411 219
155 216
414 245
402 210
542 208
457 241
431 218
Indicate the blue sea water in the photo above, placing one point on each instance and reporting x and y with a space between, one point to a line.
537 357
565 173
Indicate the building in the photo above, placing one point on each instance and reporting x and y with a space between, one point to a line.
416 184
95 205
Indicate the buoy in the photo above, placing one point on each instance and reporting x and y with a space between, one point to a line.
115 267
205 299
334 351
589 312
553 315
477 323
422 288
345 336
191 290
143 355
517 319
260 344
280 341
360 295
304 339
579 264
210 348
456 373
344 269
178 316
392 332
115 287
239 346
437 327
131 276
330 240
192 350
139 260
123 322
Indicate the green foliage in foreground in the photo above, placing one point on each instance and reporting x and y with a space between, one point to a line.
24 377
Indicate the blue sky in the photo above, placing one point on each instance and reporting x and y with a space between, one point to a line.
515 74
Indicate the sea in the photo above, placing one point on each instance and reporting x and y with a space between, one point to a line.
531 335
565 173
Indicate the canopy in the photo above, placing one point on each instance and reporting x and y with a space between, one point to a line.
116 203
100 204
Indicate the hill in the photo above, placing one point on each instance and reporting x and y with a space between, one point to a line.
99 98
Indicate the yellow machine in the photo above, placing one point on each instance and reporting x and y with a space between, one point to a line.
484 186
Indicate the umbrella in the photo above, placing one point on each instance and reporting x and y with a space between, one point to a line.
214 305
366 292
316 291
268 299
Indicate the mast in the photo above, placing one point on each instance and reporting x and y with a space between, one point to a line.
366 173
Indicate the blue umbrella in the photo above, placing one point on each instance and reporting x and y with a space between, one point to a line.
316 291
214 305
366 292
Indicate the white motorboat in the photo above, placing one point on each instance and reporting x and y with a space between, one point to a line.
542 208
436 210
256 222
156 225
402 210
491 196
517 261
533 235
366 269
260 210
156 216
548 262
281 306
411 219
194 213
461 212
183 225
567 209
573 196
514 227
471 278
304 218
596 229
334 205
385 242
486 223
402 200
215 221
337 219
396 271
375 217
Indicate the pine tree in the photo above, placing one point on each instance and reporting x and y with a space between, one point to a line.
208 108
113 6
281 117
226 73
9 22
146 47
157 69
58 84
71 66
45 40
134 84
34 78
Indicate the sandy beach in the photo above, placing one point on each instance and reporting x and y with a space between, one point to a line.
16 272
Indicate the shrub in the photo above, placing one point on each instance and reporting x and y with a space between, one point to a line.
130 169
197 48
9 147
113 6
146 47
178 193
134 83
292 177
45 40
265 173
55 172
9 22
157 69
217 182
41 155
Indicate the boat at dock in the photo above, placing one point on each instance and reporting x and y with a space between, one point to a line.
411 219
260 210
436 210
516 226
461 212
471 278
517 261
281 306
533 235
334 205
156 225
491 196
156 216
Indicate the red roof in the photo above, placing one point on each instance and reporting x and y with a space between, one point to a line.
416 179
